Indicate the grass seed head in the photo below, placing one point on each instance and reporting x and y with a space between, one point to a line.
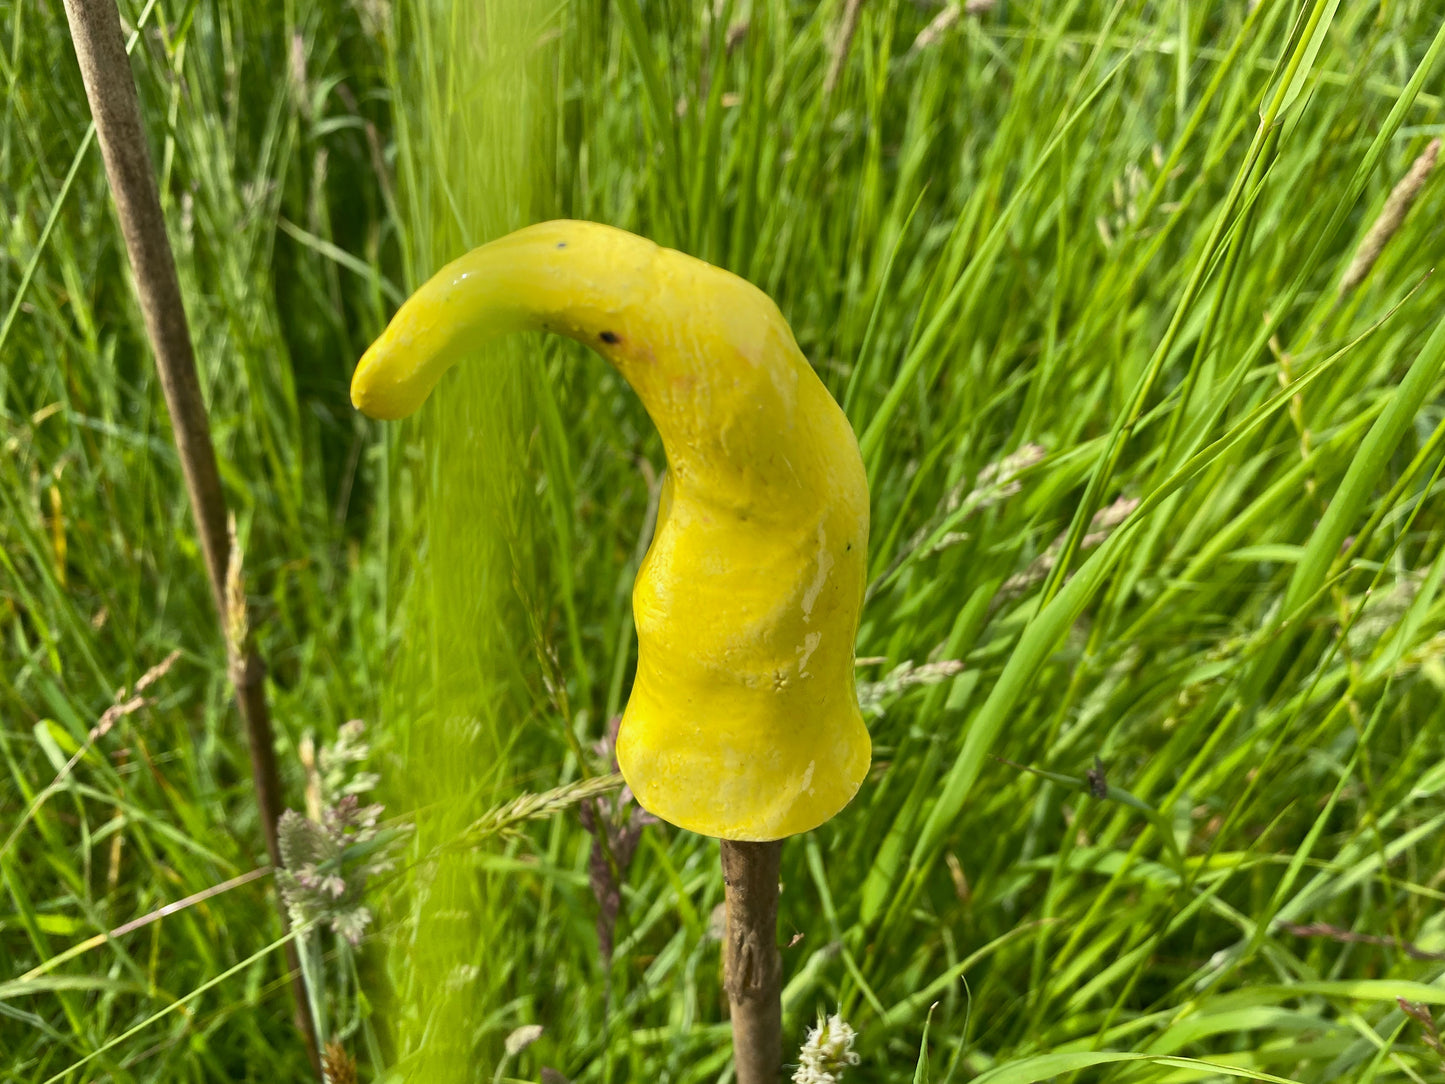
1391 217
827 1053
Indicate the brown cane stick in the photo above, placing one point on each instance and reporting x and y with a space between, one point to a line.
105 69
752 965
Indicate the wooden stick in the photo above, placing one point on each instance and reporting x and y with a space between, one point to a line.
752 965
110 88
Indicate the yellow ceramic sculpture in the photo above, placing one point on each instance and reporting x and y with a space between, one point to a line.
743 722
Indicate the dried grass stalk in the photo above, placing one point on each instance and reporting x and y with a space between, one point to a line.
841 44
1391 216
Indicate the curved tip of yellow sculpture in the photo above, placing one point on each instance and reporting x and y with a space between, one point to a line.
743 721
369 394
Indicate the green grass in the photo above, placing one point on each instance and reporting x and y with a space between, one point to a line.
1061 225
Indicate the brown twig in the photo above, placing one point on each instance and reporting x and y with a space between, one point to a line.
1350 937
752 965
110 88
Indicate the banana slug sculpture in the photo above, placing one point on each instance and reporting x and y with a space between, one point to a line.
743 721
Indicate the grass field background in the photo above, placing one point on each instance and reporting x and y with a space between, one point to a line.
1154 498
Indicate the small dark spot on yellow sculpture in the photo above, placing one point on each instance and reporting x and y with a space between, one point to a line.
609 337
561 244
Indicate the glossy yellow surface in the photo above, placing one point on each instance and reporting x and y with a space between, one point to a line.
743 722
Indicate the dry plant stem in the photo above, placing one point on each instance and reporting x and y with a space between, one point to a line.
841 44
105 68
752 965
